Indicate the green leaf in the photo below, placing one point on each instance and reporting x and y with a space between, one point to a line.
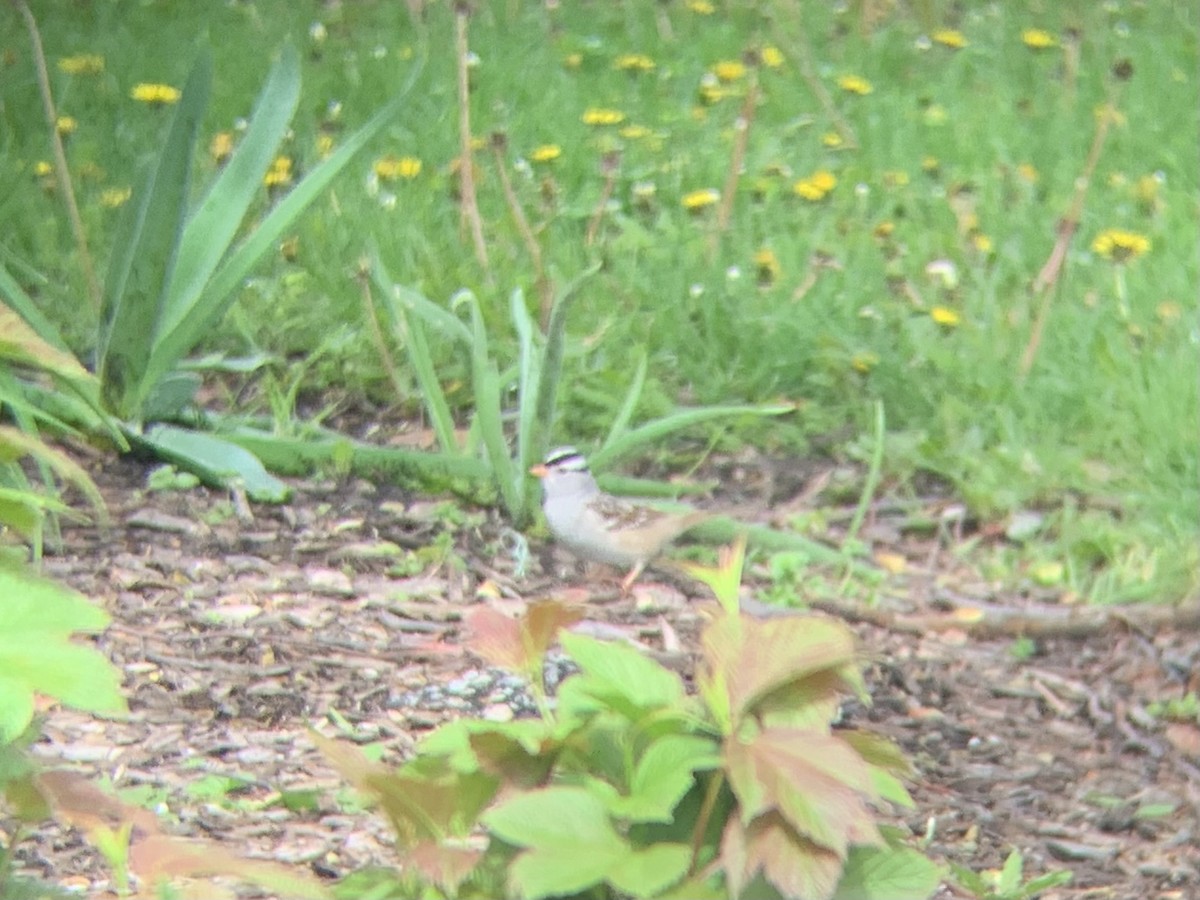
654 432
211 228
663 775
620 424
31 605
16 706
878 873
622 677
194 322
81 677
217 462
572 844
650 871
135 290
529 427
16 297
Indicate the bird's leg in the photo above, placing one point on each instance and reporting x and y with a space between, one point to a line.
628 580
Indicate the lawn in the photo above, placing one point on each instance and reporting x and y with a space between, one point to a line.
836 207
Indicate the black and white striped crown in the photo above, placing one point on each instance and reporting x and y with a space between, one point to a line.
566 459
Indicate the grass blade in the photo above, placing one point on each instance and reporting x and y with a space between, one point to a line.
410 330
211 228
142 265
653 432
529 428
625 415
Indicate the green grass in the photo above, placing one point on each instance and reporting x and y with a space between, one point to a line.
951 144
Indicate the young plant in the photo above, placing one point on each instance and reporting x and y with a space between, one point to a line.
535 377
626 785
177 268
1007 883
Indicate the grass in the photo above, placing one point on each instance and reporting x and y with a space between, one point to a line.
907 282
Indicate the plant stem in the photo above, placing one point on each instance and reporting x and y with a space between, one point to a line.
61 172
466 169
544 288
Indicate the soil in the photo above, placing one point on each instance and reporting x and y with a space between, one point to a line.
238 628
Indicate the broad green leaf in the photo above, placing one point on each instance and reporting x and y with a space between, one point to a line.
141 266
217 462
76 675
33 605
648 872
884 873
16 706
663 775
211 228
563 818
572 843
622 677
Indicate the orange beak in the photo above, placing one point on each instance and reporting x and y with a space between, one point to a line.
539 471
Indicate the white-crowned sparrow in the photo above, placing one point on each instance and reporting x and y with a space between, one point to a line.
598 526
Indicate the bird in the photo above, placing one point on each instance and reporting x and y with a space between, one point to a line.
600 527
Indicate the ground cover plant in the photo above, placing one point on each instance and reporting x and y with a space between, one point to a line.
778 217
930 241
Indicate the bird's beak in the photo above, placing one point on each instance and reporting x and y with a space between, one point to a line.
539 471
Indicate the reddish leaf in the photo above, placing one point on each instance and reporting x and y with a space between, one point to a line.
160 856
759 656
445 867
817 782
794 866
519 644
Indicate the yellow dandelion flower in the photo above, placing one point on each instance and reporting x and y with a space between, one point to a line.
1147 187
701 7
930 165
884 230
280 172
545 153
981 242
864 361
573 60
66 125
82 64
697 200
600 116
729 70
766 266
395 168
772 57
895 178
1027 173
220 148
41 168
155 94
1119 245
324 145
634 132
831 139
949 37
815 186
945 316
114 197
1038 39
855 84
634 62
